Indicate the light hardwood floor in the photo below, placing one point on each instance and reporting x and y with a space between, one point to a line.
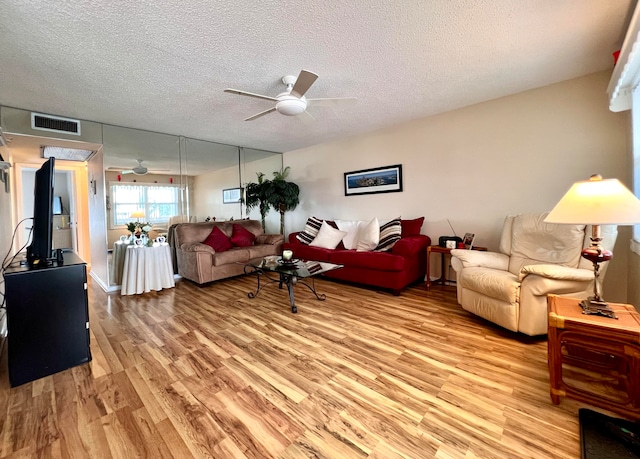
207 372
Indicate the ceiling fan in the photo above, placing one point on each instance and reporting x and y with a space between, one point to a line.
292 101
138 170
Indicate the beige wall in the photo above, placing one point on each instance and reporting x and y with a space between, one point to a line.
207 195
477 164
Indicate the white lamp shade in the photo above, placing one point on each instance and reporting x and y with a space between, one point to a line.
597 202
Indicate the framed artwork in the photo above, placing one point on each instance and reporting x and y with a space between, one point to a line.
232 196
378 180
467 240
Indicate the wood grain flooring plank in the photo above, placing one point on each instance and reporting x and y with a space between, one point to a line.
145 394
204 371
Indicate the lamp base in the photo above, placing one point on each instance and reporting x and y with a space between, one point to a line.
590 306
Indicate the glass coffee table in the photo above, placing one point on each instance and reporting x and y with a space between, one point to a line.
273 269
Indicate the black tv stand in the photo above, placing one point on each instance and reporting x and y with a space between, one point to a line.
47 319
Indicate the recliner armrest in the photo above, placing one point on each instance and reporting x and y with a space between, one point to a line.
557 272
493 260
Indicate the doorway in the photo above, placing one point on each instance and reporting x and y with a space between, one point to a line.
65 221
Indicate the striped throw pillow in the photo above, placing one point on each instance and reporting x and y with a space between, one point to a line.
310 230
390 233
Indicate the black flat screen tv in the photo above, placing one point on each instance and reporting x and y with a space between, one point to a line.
39 253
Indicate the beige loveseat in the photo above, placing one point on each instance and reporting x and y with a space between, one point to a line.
200 263
510 287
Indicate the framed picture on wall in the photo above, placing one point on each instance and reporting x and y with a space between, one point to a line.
386 179
468 240
232 196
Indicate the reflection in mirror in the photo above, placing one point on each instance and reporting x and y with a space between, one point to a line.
206 176
215 170
142 178
253 162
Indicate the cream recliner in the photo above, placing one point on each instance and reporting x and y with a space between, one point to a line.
510 287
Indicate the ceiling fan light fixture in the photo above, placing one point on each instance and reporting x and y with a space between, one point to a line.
291 106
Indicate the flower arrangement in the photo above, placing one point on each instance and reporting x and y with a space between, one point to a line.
139 229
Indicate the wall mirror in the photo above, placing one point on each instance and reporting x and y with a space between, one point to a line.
191 176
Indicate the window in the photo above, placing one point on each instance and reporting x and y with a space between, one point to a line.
158 202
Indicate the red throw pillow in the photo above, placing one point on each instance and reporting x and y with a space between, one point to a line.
411 227
241 236
217 240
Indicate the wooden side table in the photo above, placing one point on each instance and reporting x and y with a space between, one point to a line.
595 359
443 251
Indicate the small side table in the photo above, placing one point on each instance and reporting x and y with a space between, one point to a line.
595 359
146 269
443 251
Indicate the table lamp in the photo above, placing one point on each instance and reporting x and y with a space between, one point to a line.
138 214
596 202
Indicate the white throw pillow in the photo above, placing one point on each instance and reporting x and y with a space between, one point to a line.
328 237
350 240
368 236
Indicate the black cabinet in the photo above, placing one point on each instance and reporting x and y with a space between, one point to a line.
47 319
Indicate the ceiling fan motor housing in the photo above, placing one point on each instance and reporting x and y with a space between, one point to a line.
291 105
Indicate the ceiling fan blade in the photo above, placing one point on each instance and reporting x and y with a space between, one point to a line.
130 171
303 83
332 101
249 94
305 117
258 115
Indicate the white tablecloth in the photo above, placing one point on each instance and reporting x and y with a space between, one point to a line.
146 269
117 262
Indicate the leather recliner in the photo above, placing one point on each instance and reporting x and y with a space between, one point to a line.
535 258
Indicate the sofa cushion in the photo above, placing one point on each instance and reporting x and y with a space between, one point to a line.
411 227
262 250
233 255
328 237
217 240
241 237
310 231
380 261
368 236
307 252
390 233
269 239
351 227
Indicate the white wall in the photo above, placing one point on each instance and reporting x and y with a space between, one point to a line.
477 164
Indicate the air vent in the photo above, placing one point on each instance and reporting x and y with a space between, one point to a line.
52 123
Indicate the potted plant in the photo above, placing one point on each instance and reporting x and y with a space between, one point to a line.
282 195
256 196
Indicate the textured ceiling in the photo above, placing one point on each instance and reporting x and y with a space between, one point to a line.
162 65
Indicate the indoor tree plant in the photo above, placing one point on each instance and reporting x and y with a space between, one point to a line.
256 196
282 195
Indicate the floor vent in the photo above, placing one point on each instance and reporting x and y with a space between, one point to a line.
52 123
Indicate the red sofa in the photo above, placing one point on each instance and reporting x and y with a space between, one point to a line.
404 264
